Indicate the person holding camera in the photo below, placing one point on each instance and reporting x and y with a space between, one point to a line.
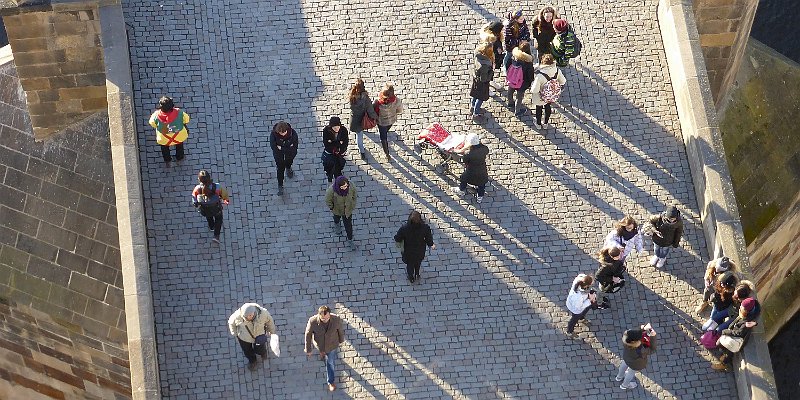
638 344
580 299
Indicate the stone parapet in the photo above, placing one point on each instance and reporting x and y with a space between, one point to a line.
718 208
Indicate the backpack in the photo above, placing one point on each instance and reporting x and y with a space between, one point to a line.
550 90
514 76
209 205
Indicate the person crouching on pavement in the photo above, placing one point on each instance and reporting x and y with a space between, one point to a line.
475 170
610 273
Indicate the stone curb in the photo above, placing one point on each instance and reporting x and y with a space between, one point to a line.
712 182
130 206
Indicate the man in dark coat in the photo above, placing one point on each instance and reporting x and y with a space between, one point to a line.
283 142
475 171
667 230
412 238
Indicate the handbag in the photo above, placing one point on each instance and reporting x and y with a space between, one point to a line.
367 122
732 343
709 339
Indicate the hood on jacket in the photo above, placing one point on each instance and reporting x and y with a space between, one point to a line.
521 55
168 117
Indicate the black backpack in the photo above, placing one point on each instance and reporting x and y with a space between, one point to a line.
210 205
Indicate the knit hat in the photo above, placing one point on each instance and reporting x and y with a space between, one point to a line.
723 264
515 14
473 139
672 212
335 121
560 25
749 304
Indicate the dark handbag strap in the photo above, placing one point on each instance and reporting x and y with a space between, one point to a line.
250 332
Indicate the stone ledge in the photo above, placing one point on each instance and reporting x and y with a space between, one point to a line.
719 212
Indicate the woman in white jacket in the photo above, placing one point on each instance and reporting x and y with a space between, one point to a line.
580 300
625 236
546 71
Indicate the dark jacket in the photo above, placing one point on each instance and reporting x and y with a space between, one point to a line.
722 301
481 77
737 328
475 172
670 233
525 61
636 356
288 145
565 45
609 268
335 143
362 105
544 33
510 40
414 237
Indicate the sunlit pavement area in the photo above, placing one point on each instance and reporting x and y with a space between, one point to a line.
487 319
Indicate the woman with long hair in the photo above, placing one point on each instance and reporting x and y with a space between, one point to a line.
482 76
542 29
412 238
515 33
360 105
388 106
612 266
625 236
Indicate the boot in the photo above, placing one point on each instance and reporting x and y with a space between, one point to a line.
653 261
661 262
385 146
701 307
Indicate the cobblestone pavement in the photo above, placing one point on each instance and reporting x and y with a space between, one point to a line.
487 321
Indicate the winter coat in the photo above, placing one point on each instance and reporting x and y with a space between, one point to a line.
335 143
288 145
544 33
609 268
510 40
325 337
170 127
627 246
362 105
415 238
342 206
475 171
722 301
564 46
670 233
635 357
387 113
549 70
525 61
482 75
260 325
578 298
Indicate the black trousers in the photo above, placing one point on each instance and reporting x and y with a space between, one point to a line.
282 166
348 224
215 223
577 317
178 152
333 167
548 109
412 268
251 349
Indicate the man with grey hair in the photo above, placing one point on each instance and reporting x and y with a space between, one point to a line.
252 325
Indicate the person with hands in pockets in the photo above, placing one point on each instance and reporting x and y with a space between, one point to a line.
252 326
325 332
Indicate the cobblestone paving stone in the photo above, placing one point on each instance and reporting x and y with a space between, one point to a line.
487 321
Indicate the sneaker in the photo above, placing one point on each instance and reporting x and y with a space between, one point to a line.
630 385
331 387
537 125
215 239
661 262
572 335
653 261
211 227
280 190
546 125
520 112
364 156
457 190
290 172
618 378
480 199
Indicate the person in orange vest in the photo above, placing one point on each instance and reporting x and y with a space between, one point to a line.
170 125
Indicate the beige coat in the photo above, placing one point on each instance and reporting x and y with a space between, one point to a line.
260 325
387 113
540 80
325 337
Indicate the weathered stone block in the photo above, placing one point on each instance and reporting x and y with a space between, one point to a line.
102 272
42 109
57 236
28 44
58 82
69 41
102 312
95 209
95 79
24 59
85 92
83 54
48 271
72 261
90 248
95 104
70 28
716 26
39 71
88 286
29 30
69 106
718 39
18 221
36 247
12 198
31 285
14 258
60 195
45 211
36 83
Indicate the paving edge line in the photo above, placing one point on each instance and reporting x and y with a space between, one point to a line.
715 197
139 313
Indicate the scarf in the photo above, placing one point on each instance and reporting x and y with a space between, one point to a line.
629 235
336 186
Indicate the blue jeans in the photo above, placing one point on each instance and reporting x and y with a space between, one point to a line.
661 252
330 360
360 141
507 61
475 105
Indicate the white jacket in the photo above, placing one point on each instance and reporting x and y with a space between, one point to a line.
627 246
578 299
539 80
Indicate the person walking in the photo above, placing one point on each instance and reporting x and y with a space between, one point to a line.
520 75
252 326
625 236
514 33
565 44
335 140
580 300
637 346
208 198
413 238
170 123
542 29
360 106
481 77
284 142
325 332
388 106
610 274
546 90
475 171
715 268
667 230
341 200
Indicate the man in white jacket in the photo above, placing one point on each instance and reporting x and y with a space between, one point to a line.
252 325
